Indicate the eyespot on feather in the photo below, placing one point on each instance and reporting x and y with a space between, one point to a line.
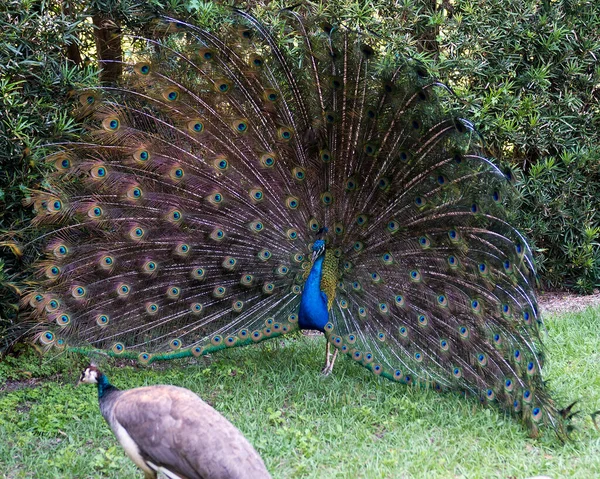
256 61
182 249
171 94
142 155
150 267
123 290
142 69
198 273
195 126
206 54
62 161
270 95
99 172
152 308
111 123
176 173
268 160
240 126
222 85
285 133
136 233
89 98
196 308
220 163
60 251
102 320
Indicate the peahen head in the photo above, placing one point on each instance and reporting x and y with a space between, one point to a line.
90 375
318 249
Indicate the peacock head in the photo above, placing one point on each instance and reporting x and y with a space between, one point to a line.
318 249
89 375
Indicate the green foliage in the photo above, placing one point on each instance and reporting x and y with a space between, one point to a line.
36 82
561 199
36 85
26 362
529 71
349 424
39 81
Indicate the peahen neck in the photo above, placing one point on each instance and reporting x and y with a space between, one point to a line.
313 312
104 386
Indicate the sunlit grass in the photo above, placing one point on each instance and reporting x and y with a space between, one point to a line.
348 425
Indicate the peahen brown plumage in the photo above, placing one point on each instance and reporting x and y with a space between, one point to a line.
170 430
240 184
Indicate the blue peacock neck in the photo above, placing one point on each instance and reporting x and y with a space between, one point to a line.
104 386
313 312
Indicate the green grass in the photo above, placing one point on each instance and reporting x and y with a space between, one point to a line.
350 424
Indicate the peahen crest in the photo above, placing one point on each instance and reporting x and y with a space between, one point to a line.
231 190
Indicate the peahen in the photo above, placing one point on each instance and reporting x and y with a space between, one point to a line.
244 181
169 429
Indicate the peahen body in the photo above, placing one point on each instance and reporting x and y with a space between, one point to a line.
169 429
243 182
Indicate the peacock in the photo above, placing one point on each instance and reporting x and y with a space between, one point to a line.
244 181
170 430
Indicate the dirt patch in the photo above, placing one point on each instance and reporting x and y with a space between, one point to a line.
563 302
13 385
32 382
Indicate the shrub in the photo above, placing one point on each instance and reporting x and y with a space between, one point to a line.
529 72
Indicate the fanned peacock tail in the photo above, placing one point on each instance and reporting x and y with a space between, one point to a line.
225 170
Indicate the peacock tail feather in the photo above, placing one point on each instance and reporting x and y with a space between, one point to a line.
185 220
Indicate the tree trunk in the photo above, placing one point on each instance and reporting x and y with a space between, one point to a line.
108 46
428 40
73 52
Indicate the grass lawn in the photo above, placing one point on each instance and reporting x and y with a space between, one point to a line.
348 425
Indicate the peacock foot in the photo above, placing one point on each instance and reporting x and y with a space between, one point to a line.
329 362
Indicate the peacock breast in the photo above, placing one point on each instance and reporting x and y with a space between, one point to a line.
318 293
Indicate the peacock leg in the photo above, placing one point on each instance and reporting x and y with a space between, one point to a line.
331 363
327 354
329 360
